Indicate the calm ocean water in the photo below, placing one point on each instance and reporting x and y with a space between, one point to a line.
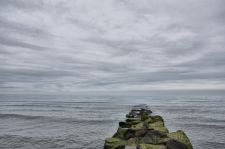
84 121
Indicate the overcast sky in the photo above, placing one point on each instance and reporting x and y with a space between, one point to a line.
79 45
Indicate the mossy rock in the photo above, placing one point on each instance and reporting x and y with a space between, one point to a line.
133 141
149 120
146 136
139 125
156 118
144 116
181 137
129 124
135 122
161 129
132 119
174 144
153 140
124 124
114 143
158 125
150 146
120 133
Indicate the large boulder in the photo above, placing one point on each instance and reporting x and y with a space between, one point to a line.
114 143
142 133
174 144
180 136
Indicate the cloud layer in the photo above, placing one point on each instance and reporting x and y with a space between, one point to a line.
66 45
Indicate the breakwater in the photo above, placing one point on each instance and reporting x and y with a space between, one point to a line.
143 130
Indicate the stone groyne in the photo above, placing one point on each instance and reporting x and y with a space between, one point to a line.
143 130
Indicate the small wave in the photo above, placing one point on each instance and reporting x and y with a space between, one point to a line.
20 116
202 119
213 145
17 141
59 142
57 119
211 126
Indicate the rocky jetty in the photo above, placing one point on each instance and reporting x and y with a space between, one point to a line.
143 130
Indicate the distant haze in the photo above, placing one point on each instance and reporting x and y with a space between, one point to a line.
111 45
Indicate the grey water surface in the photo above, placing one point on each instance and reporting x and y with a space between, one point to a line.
34 121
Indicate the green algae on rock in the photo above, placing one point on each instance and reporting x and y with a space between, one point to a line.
150 146
181 137
142 130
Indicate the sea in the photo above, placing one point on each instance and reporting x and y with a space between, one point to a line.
83 121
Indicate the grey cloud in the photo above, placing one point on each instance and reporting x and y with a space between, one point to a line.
121 47
151 77
29 75
85 25
210 60
8 26
21 4
88 45
16 43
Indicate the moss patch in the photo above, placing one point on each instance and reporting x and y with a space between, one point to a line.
150 146
181 137
114 143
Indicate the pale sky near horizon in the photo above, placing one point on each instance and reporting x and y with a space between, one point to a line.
82 45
